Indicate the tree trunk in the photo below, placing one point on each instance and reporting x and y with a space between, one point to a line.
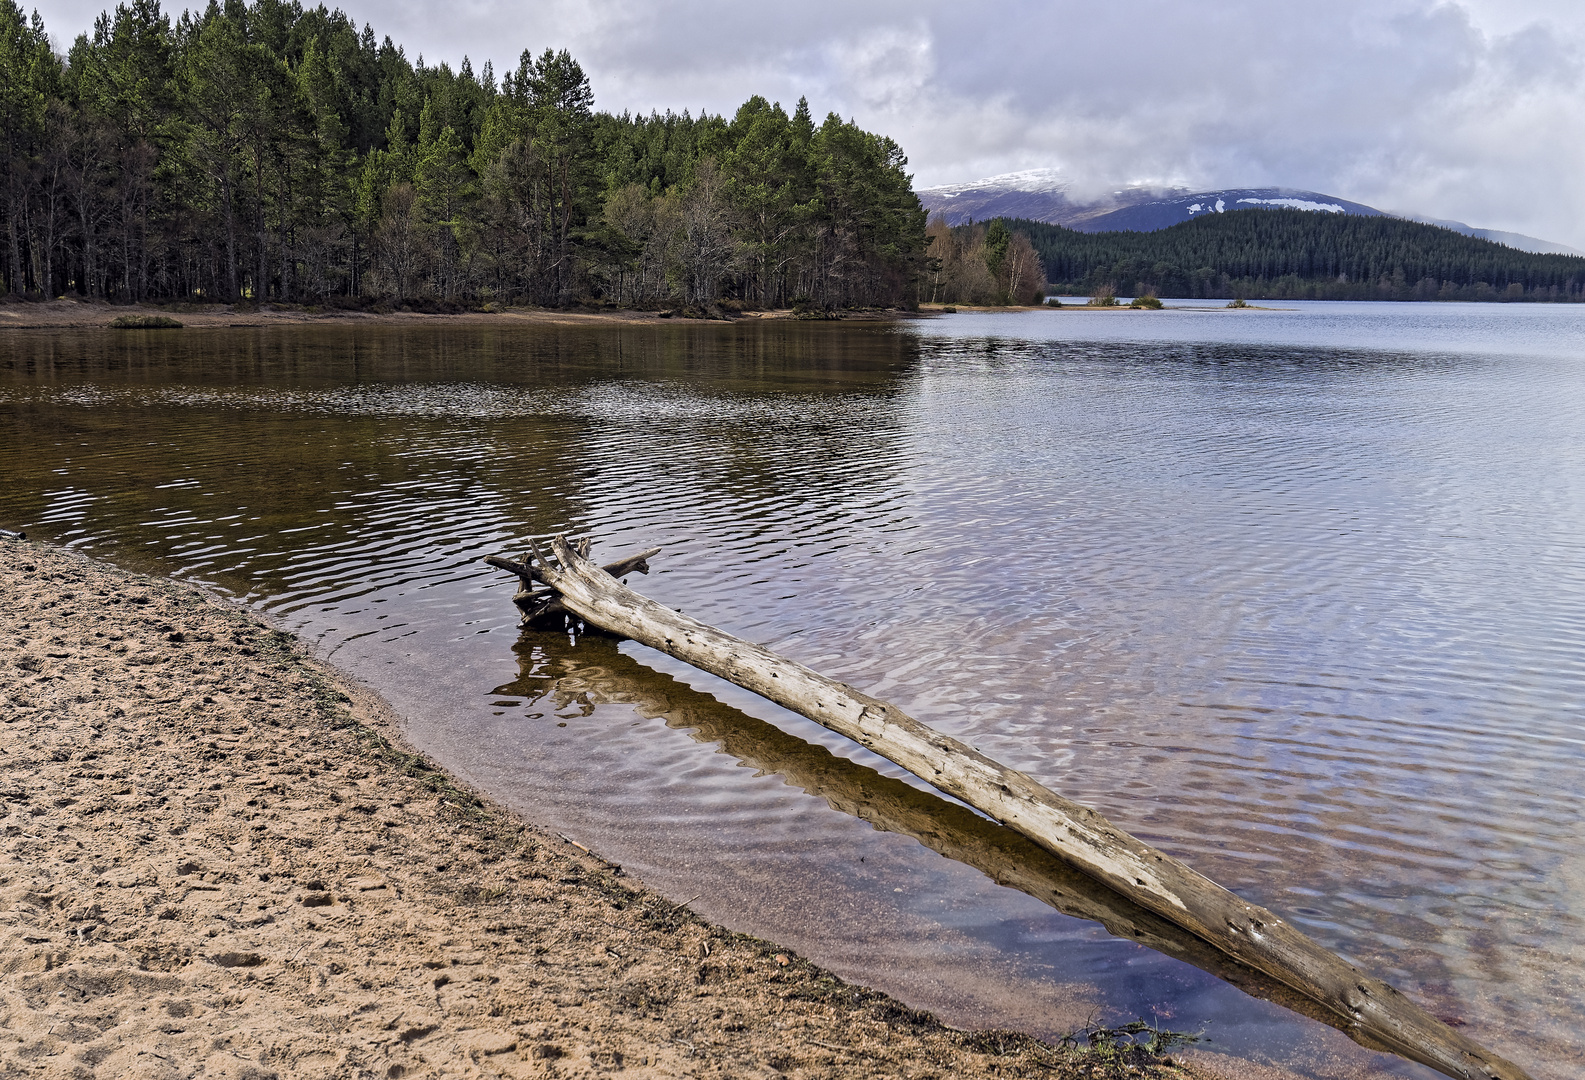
1369 1008
233 293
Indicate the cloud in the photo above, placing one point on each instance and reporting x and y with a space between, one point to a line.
1461 109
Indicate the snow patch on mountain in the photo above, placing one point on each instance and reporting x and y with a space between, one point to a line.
1047 195
1034 181
1299 204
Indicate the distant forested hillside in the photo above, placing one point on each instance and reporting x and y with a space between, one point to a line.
265 151
1294 254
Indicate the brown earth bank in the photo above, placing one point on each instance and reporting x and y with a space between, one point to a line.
220 860
69 314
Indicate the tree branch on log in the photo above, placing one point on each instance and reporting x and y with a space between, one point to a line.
1076 834
540 607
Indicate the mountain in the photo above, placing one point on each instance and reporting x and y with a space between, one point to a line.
1174 208
1498 236
1043 195
1037 195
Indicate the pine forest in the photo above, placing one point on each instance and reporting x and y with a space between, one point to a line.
270 152
1300 255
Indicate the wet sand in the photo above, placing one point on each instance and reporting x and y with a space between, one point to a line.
221 860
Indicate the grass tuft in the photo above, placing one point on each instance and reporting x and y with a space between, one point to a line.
145 322
1112 1053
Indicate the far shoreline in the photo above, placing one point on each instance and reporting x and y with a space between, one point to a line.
67 313
75 314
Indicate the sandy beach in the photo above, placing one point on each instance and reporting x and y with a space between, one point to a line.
222 861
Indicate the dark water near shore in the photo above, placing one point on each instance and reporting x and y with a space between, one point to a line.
1297 595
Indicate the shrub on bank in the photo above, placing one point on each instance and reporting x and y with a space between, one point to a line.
145 322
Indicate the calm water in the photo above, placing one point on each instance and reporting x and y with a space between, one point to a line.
1298 595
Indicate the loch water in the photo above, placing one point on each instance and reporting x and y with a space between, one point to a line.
1297 595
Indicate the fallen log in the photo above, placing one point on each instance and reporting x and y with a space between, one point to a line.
593 671
1154 880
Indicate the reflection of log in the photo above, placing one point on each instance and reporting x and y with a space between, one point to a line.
1076 834
594 672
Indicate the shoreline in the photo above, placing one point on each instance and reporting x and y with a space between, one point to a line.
221 853
70 314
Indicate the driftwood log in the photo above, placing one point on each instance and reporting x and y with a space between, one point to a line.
592 670
1369 1008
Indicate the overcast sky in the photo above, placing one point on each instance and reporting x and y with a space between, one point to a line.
1465 109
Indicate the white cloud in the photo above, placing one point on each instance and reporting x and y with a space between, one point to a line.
1461 109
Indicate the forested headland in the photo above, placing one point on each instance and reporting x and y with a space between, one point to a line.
264 152
1297 255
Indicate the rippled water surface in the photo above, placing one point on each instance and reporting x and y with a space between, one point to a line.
1297 595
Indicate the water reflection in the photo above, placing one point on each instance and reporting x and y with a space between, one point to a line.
585 670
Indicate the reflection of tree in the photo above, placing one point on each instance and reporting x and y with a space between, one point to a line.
349 454
795 424
588 670
267 462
